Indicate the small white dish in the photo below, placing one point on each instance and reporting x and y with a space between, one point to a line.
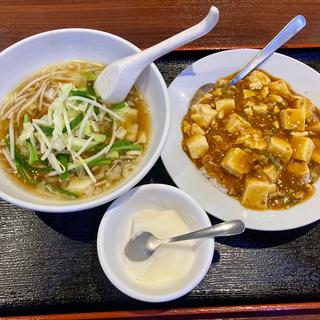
36 52
114 228
303 79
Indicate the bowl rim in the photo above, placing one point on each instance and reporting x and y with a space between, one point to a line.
73 207
207 259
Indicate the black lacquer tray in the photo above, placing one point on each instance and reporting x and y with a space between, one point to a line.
49 263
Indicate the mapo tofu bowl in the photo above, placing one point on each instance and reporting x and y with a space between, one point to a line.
249 151
71 150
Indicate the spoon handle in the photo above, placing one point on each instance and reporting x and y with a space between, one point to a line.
228 228
293 27
203 27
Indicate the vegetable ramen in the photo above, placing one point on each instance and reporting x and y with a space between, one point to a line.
258 139
59 138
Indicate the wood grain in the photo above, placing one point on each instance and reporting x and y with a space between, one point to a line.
307 311
243 23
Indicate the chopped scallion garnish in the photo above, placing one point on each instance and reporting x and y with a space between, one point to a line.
99 161
64 159
75 122
119 107
46 130
62 191
26 118
33 156
79 93
124 145
275 162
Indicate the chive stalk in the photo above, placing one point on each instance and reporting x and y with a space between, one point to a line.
33 156
99 161
63 159
119 107
75 122
121 145
79 93
62 191
124 145
90 76
275 162
26 118
91 90
46 130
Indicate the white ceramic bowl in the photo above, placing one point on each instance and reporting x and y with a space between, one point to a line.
303 79
33 53
114 229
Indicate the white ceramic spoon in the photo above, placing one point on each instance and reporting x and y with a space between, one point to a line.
115 81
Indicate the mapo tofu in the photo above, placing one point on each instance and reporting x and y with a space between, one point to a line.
258 139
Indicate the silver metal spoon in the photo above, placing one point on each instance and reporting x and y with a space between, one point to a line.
144 245
292 28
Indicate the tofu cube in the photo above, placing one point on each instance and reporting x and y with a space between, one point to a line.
272 172
221 81
256 194
217 92
280 87
236 161
257 79
262 108
225 106
252 138
298 168
276 99
306 106
248 111
280 148
197 118
248 93
186 126
264 92
302 148
197 146
260 76
196 129
292 119
206 99
315 156
194 108
236 123
299 133
204 115
314 126
256 85
208 113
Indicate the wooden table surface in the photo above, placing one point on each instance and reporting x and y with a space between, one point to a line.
243 23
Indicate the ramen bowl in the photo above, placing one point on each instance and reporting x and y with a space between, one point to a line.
36 52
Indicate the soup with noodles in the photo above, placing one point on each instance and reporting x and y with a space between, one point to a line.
59 139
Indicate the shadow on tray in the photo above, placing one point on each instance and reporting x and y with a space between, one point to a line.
263 239
81 226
